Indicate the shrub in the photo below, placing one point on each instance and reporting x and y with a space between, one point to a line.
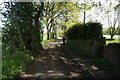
94 30
85 31
72 33
14 64
7 50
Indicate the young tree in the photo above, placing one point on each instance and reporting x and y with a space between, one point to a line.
113 28
112 23
85 6
49 16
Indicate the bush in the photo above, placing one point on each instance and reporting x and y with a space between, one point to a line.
94 30
8 50
85 31
76 31
14 64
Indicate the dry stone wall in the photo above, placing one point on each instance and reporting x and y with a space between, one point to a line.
111 52
91 46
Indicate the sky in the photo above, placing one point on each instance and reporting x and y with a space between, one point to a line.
1 16
102 17
1 24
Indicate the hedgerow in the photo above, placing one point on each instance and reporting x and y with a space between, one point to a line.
85 31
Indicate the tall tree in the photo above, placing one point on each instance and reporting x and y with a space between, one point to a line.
112 15
22 27
84 7
51 12
59 15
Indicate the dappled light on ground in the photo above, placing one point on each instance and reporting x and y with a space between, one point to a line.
74 74
56 63
52 64
94 67
44 75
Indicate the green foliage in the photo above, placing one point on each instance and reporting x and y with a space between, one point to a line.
85 6
77 31
13 60
11 65
7 50
94 30
70 15
22 25
63 15
112 41
85 31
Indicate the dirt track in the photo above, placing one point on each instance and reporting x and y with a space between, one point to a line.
57 62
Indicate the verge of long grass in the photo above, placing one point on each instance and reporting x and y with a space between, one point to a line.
13 65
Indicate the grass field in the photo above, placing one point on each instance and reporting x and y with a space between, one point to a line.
112 41
116 39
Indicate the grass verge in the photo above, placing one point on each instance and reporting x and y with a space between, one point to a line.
51 40
14 64
112 41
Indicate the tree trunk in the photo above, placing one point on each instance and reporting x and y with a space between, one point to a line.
84 17
21 43
48 35
36 42
111 37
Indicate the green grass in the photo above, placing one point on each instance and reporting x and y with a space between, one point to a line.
46 41
13 61
116 39
14 64
112 41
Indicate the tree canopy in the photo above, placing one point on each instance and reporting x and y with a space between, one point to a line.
21 28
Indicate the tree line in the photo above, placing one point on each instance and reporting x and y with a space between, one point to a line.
25 23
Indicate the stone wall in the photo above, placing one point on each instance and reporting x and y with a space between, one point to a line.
91 46
112 52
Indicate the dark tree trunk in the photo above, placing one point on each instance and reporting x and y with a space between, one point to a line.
111 37
36 42
21 42
48 35
84 17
